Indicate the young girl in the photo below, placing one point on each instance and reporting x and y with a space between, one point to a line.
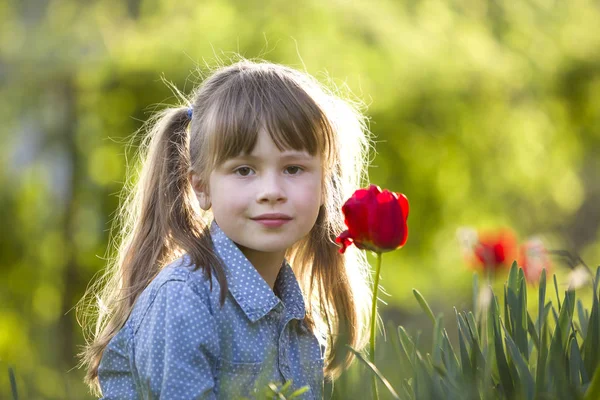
228 277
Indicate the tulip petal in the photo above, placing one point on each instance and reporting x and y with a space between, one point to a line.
345 240
356 211
388 227
403 202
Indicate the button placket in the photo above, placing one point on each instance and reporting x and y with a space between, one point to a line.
284 362
274 318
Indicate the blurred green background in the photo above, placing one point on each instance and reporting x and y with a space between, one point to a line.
486 114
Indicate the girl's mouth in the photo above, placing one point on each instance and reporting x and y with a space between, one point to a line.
272 220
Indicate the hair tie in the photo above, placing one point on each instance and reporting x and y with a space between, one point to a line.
190 111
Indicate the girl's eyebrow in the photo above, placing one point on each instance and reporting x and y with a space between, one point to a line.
296 155
287 155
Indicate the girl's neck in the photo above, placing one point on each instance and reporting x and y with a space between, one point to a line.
267 264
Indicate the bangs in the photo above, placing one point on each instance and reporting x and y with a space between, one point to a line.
264 100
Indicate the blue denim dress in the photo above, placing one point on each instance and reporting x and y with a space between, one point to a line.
179 343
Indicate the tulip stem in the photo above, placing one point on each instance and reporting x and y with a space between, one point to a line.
373 319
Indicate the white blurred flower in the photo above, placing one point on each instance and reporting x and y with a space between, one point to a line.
578 277
484 299
467 239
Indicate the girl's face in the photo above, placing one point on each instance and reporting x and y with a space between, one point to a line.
267 200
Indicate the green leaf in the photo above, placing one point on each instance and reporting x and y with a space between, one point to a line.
469 369
525 377
424 305
583 322
555 315
405 340
532 332
541 302
503 368
437 366
374 369
424 388
407 389
465 359
556 290
450 359
408 347
541 373
591 347
13 383
512 278
298 392
562 329
437 339
520 318
286 386
472 326
488 344
510 301
593 391
475 293
404 361
479 361
558 347
448 388
576 369
547 309
463 326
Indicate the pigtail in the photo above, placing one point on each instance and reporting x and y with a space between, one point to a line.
160 202
168 222
158 222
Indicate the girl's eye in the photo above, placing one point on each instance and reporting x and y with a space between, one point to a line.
293 170
244 171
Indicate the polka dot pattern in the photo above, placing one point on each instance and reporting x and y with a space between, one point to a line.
179 343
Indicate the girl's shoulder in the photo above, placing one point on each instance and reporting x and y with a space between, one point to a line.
179 279
185 271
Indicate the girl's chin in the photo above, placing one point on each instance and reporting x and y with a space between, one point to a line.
265 247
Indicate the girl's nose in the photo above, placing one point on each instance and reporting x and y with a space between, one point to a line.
270 190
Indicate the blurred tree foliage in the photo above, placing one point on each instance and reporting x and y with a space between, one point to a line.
486 113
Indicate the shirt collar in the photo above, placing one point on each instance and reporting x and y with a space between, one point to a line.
249 289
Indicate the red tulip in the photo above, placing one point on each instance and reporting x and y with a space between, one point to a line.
496 250
376 220
533 258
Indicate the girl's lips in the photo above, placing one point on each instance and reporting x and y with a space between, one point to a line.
272 216
272 220
272 223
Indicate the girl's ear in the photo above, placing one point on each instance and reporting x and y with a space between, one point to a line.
201 190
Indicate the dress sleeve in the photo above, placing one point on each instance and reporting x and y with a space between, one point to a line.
176 346
114 371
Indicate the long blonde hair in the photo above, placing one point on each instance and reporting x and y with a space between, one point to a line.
160 218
